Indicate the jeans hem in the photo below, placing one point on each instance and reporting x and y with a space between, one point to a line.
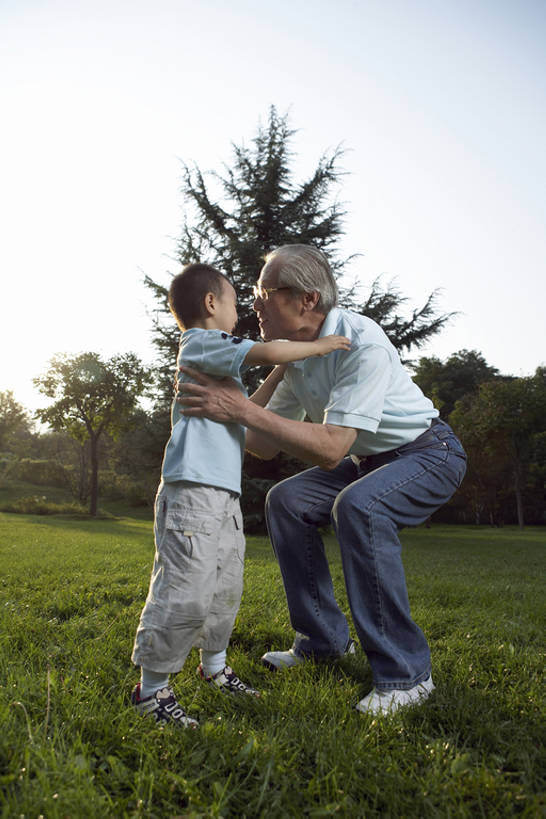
312 655
402 686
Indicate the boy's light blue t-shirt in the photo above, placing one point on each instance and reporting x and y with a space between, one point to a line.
200 450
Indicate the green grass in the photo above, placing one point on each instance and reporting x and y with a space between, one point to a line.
70 597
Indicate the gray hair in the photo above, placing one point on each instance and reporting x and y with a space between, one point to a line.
306 269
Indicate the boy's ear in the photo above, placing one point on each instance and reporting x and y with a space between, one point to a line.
210 304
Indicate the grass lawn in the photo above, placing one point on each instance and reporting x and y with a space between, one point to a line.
71 592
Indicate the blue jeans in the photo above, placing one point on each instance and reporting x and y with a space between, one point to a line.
367 506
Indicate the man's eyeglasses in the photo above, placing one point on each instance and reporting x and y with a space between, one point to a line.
262 293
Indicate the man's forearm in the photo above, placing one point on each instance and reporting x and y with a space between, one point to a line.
322 445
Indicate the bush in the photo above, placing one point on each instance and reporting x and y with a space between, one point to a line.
39 505
39 472
123 487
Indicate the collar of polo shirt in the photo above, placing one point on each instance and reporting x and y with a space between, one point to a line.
328 328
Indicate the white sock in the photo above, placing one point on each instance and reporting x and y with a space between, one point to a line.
152 681
212 661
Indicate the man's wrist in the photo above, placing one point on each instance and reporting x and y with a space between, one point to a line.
248 409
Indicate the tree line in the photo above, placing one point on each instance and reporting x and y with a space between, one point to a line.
232 220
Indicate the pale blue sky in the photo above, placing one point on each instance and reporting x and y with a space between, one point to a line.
440 105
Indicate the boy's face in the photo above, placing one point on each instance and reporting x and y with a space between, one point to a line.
226 309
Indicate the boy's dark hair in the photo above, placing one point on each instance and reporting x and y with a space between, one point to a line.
189 288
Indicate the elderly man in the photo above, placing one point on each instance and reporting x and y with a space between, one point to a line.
382 460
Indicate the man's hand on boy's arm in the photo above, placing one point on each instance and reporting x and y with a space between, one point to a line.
283 352
202 397
203 400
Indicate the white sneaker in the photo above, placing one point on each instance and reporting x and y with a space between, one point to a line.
387 702
276 660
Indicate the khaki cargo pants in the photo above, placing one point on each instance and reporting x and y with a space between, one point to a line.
197 576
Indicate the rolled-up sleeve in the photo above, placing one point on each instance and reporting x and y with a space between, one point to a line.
358 395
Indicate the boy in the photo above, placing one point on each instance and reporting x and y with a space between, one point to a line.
197 576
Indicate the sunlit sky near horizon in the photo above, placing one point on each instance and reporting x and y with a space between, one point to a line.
441 107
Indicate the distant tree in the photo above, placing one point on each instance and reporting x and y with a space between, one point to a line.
502 428
486 492
446 382
235 217
14 420
92 397
74 455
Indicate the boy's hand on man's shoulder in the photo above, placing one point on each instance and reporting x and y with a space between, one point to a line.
328 344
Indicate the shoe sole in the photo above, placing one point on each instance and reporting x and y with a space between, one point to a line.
272 667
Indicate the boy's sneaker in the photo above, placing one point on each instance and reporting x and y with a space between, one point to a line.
226 680
163 707
387 702
277 660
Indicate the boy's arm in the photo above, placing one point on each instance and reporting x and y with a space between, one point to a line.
282 352
266 390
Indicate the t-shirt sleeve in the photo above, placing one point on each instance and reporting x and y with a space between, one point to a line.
358 395
215 352
283 402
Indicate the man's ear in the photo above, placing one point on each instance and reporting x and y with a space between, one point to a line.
310 300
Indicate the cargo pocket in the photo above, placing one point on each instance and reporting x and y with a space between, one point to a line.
189 560
190 542
189 527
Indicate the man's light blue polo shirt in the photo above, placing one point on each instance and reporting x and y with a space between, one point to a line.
200 450
366 388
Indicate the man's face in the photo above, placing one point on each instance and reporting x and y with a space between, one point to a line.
279 315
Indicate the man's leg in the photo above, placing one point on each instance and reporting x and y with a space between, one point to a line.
295 508
410 485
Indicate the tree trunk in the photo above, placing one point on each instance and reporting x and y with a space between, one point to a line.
519 498
93 442
83 484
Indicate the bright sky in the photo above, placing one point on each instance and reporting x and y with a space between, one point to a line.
439 103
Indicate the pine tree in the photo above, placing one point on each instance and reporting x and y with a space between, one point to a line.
234 218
